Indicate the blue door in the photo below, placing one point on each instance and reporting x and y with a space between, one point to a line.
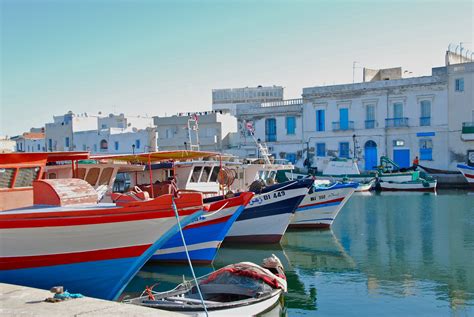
370 155
344 118
402 157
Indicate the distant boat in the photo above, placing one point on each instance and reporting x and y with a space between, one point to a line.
321 205
468 172
416 185
241 289
67 238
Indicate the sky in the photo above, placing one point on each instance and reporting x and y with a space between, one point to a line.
146 57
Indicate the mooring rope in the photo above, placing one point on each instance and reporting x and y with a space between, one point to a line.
187 254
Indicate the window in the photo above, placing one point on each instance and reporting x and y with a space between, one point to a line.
104 126
344 118
370 117
320 120
270 130
137 144
104 145
205 174
344 149
38 147
116 145
95 147
320 149
459 84
26 176
290 125
6 177
291 157
195 174
398 110
215 173
50 144
425 109
84 148
66 142
426 149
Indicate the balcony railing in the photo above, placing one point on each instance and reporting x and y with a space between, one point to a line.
467 127
425 121
343 126
396 122
369 124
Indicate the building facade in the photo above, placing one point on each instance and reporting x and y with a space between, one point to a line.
101 134
213 130
233 98
279 124
32 141
402 118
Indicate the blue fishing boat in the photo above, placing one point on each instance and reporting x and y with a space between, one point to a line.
269 213
204 236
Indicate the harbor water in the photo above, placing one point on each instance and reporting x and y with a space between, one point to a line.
390 254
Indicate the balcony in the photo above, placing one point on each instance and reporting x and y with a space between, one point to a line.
370 124
343 126
425 121
396 122
467 133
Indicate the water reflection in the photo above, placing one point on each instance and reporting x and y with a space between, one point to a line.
388 254
411 243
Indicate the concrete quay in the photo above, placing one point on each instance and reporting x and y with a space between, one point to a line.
25 301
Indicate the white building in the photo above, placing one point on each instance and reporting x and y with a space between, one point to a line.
279 124
32 141
59 134
233 98
117 140
101 134
216 131
398 118
7 145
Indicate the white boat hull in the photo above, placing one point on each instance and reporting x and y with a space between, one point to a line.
267 216
468 172
408 186
319 208
244 310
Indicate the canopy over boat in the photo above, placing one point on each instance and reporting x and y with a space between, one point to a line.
156 156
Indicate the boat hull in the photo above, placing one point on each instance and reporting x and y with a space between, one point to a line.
95 251
252 309
320 207
408 186
468 172
267 216
204 236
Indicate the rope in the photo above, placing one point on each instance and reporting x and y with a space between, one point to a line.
187 255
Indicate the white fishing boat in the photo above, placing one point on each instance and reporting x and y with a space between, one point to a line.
241 289
322 204
420 184
468 172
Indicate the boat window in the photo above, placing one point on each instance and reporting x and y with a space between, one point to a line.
106 175
52 176
93 176
81 173
26 176
6 177
205 174
122 183
195 174
260 175
215 173
272 174
265 175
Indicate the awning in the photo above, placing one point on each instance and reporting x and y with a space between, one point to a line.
156 156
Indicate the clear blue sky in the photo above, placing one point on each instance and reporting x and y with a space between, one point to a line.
157 57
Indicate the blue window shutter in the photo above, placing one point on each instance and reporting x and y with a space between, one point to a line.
344 118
